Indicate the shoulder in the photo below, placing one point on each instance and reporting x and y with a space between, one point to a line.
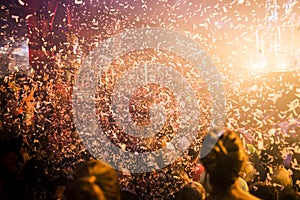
240 194
246 196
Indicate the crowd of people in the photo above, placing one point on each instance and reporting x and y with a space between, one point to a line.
226 174
43 156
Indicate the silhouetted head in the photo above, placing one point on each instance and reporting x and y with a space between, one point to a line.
265 191
223 157
191 191
95 174
84 188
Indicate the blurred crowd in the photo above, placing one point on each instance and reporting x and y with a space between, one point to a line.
43 156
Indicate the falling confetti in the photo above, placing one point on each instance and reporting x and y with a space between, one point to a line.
43 48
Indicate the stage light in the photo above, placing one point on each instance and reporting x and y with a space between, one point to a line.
276 49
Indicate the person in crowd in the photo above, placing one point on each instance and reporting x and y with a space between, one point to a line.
8 169
265 191
289 194
249 173
95 180
85 188
197 171
282 176
127 194
191 191
223 158
241 181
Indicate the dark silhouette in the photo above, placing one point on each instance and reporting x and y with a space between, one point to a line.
223 157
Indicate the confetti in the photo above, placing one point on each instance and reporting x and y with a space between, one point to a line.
36 106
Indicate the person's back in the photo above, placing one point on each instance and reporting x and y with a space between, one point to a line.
235 192
223 157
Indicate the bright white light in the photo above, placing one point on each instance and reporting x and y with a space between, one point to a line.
261 64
